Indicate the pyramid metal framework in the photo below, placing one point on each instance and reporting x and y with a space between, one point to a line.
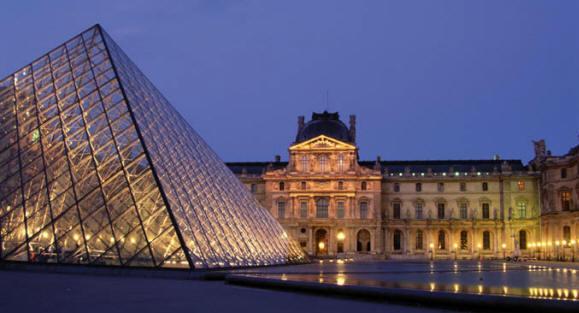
96 167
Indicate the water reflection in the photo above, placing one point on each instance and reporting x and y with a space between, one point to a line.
342 279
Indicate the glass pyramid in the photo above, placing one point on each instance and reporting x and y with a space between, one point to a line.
96 167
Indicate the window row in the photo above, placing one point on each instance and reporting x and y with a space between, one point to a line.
322 206
440 187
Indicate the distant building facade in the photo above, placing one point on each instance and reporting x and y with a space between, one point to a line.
332 203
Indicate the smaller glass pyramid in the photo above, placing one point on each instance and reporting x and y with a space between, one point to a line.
96 167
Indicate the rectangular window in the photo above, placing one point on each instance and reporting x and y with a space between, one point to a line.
566 200
522 208
323 163
486 214
340 209
419 240
418 187
304 161
322 208
281 209
440 187
396 210
463 210
485 186
462 186
304 209
419 210
521 185
396 187
463 240
486 240
341 162
253 188
563 173
441 211
363 210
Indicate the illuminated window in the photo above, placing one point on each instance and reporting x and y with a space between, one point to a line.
464 240
363 210
464 210
485 186
419 240
566 200
419 210
441 240
441 211
304 161
281 209
364 185
396 187
396 210
340 209
281 186
486 240
567 234
322 208
521 185
522 208
341 162
303 209
486 211
323 163
418 187
463 186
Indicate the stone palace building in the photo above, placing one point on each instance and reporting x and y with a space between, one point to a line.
333 203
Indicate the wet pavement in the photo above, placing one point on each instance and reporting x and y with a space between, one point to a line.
553 281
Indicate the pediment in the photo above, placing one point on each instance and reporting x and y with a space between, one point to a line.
322 142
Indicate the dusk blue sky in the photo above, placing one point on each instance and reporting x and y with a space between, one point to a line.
426 79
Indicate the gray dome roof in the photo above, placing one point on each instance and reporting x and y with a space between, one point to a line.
325 123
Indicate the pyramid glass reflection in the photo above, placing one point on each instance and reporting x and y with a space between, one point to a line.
96 167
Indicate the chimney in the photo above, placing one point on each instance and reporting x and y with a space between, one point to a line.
353 128
277 158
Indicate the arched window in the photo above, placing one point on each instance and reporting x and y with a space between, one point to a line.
364 186
281 209
523 240
486 240
441 240
363 241
304 160
322 208
522 208
363 210
397 240
281 186
323 163
419 240
464 240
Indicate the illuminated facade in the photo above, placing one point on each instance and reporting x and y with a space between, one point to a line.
96 167
560 202
335 204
